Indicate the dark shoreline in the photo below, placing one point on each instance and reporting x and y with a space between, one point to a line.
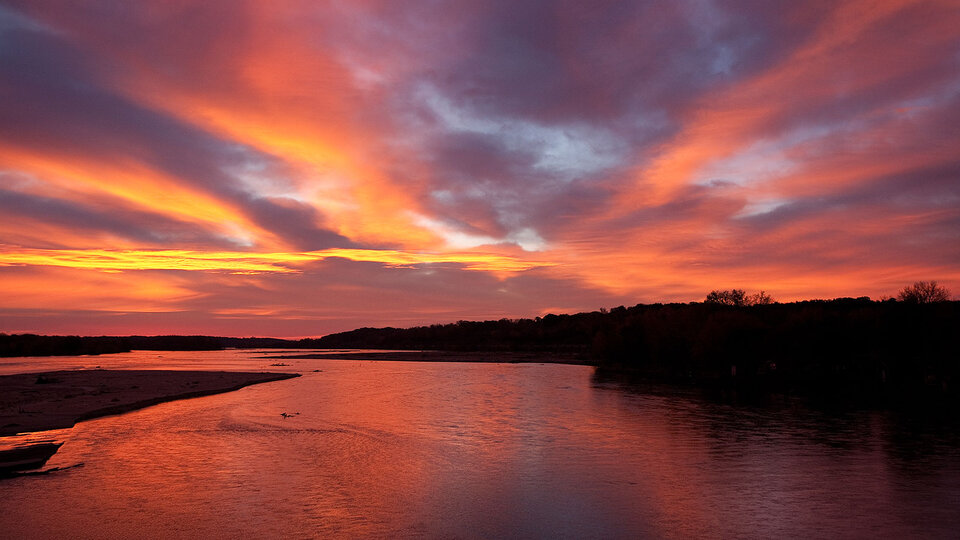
503 357
60 399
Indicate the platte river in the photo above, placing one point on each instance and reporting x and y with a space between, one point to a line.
458 450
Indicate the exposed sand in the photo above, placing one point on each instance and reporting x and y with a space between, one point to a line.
59 399
506 357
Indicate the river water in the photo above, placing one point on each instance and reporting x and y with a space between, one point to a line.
457 450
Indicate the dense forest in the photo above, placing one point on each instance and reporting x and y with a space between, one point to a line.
851 344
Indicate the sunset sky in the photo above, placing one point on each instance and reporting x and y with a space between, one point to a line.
287 168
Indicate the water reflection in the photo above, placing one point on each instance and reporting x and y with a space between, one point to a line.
390 449
786 465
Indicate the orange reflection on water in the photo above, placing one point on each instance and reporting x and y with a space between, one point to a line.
392 449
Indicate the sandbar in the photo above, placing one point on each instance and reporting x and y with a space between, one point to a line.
60 399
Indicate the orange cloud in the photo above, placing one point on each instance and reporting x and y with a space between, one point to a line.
279 94
809 150
75 288
134 184
843 58
247 262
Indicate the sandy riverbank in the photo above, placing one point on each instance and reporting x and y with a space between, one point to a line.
59 399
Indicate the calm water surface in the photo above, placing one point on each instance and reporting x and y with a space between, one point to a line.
454 450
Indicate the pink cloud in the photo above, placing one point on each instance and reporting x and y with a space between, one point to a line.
617 153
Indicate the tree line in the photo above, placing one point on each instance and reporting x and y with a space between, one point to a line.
731 337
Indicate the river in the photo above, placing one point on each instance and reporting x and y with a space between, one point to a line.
459 450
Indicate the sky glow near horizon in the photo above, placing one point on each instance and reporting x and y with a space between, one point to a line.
298 168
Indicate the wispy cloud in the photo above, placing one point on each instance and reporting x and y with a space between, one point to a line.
253 263
571 154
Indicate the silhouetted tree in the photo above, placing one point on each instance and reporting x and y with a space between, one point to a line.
734 297
759 299
923 292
